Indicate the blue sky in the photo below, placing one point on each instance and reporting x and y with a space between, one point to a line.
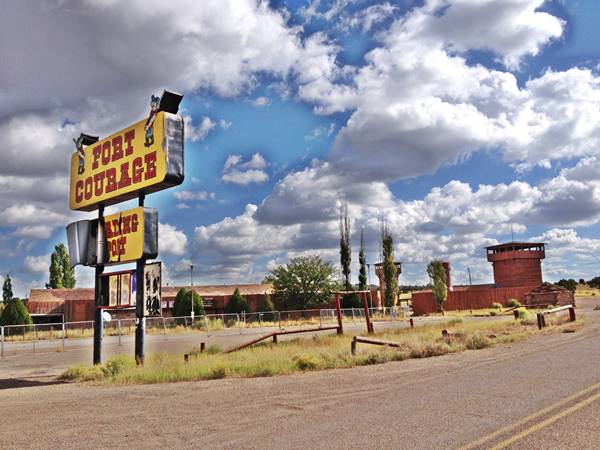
456 120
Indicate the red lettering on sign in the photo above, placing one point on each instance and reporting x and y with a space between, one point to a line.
129 135
96 153
111 179
88 188
79 191
98 184
106 153
138 170
125 178
125 224
150 160
117 144
134 223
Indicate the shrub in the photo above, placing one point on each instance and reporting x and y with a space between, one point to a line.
306 362
182 306
477 342
496 305
82 373
237 303
117 364
15 313
493 313
351 300
267 305
513 303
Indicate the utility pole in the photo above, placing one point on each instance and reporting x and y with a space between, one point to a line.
192 291
470 282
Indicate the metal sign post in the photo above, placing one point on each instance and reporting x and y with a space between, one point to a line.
98 299
139 303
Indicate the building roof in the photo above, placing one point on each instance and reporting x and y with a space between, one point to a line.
60 295
515 244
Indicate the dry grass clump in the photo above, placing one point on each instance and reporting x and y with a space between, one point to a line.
318 353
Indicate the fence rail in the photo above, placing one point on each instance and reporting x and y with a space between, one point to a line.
26 337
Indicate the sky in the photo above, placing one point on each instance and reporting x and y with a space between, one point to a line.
461 123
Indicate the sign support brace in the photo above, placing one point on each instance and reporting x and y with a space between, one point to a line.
139 302
98 325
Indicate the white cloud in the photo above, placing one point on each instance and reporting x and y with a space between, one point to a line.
37 264
190 195
261 101
238 172
171 241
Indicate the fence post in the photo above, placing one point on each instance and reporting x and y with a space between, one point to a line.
164 328
2 342
119 330
353 321
63 334
540 317
572 314
206 324
34 337
279 318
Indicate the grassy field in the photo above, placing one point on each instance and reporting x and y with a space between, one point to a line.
586 291
319 353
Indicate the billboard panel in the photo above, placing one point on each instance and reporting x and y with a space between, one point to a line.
116 168
152 289
117 289
131 235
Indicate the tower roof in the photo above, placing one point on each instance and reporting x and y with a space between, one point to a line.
513 245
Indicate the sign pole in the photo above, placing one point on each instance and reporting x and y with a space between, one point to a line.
98 300
139 302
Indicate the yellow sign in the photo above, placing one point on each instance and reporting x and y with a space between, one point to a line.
147 157
131 235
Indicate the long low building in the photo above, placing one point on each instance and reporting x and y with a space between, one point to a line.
73 305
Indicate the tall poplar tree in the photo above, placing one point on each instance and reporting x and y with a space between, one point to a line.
362 274
62 274
345 251
437 275
7 292
389 267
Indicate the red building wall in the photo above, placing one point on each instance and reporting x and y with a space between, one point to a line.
475 297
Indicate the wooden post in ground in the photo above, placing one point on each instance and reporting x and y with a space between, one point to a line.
338 310
367 317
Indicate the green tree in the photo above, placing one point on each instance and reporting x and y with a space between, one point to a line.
351 300
237 303
7 292
304 282
390 274
182 306
266 305
56 277
362 274
15 313
569 284
437 275
345 250
68 272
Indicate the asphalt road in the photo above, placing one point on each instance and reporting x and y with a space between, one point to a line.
541 393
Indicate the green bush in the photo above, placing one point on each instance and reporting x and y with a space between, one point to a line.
15 313
182 306
267 305
237 303
306 362
513 303
496 305
351 300
493 313
117 364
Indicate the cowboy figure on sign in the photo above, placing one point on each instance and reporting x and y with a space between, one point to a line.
83 139
154 101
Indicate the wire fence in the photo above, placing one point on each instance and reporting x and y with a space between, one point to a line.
46 337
